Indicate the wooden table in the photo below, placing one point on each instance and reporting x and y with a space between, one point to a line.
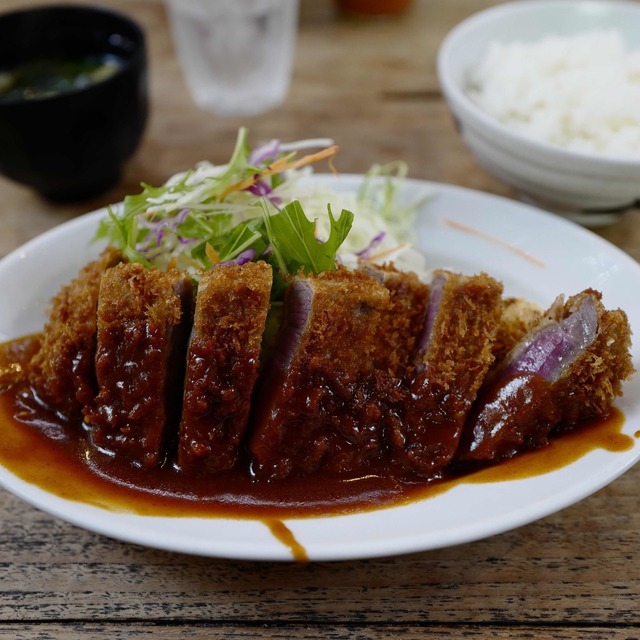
371 85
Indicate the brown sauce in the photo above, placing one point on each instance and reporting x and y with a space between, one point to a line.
43 450
561 451
47 451
14 358
37 447
283 534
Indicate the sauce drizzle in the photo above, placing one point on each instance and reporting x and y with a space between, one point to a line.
282 533
41 452
486 236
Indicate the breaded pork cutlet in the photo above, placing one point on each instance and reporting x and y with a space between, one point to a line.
223 362
313 409
397 334
142 327
569 367
61 372
453 355
400 324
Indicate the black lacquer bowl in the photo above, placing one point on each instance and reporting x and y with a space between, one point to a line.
72 145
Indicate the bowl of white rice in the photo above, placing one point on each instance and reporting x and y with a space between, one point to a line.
546 95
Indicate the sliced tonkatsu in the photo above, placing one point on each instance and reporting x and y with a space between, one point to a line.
397 334
569 367
61 371
223 362
453 355
143 320
372 371
314 409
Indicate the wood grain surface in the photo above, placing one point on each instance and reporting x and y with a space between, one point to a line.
371 85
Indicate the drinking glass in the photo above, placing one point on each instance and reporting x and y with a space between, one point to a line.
236 55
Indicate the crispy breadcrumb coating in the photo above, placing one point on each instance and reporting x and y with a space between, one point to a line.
596 378
62 370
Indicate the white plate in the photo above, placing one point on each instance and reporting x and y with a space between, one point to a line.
536 255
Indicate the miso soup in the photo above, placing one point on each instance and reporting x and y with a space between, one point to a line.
43 78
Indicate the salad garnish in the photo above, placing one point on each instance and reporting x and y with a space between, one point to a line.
258 207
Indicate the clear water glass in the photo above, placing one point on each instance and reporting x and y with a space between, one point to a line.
236 55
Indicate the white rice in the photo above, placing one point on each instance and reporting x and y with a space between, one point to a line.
581 92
